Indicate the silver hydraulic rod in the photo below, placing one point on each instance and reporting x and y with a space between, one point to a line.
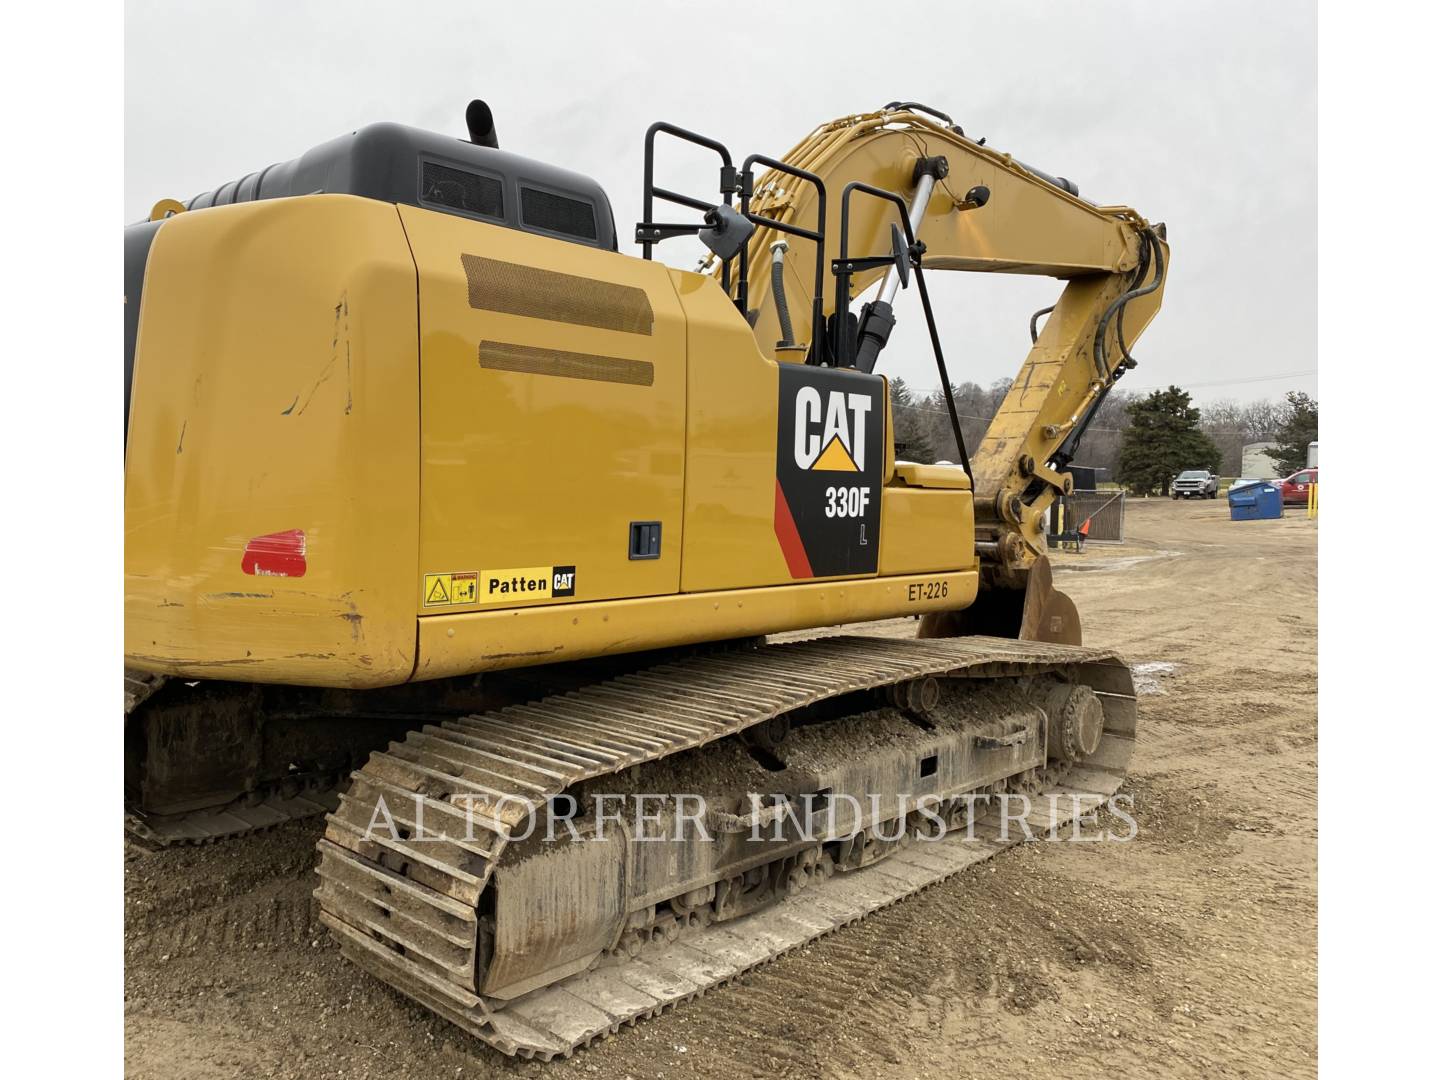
923 189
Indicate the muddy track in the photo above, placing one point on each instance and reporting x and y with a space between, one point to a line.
1189 951
410 910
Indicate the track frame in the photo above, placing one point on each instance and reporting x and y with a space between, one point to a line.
410 912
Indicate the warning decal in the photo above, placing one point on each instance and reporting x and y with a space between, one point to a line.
462 588
443 590
510 586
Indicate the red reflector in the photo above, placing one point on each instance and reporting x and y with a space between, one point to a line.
280 554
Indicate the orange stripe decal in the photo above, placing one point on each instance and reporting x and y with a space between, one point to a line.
789 537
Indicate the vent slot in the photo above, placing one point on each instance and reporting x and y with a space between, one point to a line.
460 189
517 289
556 213
528 360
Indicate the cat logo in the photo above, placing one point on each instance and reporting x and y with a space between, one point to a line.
830 429
562 581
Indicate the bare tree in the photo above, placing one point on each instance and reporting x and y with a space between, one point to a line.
1221 420
1229 423
1260 420
1233 426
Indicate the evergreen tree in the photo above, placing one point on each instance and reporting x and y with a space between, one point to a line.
912 436
1163 440
1299 427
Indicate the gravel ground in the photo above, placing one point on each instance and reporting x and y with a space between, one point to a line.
1189 951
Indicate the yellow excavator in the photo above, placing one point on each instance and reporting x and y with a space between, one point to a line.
450 521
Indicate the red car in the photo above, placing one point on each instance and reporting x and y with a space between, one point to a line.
1295 488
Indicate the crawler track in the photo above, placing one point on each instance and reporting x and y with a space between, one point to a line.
409 912
239 818
334 741
263 809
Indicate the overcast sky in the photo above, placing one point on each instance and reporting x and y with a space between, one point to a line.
1201 115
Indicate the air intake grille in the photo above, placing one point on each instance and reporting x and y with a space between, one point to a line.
458 189
527 360
544 210
548 294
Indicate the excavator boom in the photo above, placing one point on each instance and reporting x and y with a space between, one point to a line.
1112 263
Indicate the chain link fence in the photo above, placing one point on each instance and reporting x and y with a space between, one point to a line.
1105 511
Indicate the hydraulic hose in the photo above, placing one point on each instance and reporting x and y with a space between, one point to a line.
1129 361
777 286
1102 362
1066 453
1035 323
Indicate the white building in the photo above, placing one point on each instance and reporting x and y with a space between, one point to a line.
1255 464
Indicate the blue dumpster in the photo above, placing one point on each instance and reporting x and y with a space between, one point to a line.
1255 502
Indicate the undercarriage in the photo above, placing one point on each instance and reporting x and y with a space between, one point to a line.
542 874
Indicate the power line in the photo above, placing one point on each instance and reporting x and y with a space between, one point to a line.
1116 431
931 390
1228 382
1135 389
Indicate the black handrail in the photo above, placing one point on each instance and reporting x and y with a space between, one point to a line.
843 269
816 236
843 264
649 232
729 182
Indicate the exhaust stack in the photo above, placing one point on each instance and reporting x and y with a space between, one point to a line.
481 122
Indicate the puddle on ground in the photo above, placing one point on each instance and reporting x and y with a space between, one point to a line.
1149 674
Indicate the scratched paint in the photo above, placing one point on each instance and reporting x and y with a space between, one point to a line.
339 341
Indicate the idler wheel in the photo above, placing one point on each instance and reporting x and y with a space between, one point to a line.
1077 721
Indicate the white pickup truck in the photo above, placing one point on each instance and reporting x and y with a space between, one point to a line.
1195 484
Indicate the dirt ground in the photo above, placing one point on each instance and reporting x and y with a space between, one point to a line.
1188 951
